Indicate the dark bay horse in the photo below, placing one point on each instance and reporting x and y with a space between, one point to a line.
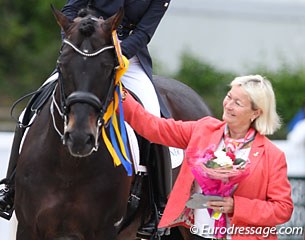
73 191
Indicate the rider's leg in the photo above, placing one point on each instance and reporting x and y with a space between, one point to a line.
161 180
136 80
162 175
7 193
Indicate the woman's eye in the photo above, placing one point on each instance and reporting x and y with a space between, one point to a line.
238 104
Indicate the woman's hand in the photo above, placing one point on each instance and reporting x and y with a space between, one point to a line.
226 205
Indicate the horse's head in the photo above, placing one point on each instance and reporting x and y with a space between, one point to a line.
86 73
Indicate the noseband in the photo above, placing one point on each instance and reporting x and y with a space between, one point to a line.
81 97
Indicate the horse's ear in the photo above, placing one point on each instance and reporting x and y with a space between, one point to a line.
61 19
114 21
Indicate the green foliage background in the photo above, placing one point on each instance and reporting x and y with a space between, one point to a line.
212 84
30 42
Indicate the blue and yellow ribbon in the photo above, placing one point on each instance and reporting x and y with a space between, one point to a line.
117 145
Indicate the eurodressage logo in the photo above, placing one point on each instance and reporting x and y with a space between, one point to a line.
207 230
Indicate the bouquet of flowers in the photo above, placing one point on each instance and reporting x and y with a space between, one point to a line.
217 172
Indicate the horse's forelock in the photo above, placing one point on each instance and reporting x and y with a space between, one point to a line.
87 26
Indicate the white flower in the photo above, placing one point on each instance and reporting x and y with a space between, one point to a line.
222 159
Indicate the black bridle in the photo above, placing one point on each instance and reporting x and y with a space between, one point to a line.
81 96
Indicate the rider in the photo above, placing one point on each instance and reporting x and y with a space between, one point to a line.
140 21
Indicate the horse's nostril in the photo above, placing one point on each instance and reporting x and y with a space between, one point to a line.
90 140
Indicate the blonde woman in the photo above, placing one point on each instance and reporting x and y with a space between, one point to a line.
263 199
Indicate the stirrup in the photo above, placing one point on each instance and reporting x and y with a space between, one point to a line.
156 235
4 181
7 214
143 234
151 230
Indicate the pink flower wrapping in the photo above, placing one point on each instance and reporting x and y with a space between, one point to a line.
217 173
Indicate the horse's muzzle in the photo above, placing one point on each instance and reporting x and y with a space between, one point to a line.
80 144
81 131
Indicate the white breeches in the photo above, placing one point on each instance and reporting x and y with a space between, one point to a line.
136 80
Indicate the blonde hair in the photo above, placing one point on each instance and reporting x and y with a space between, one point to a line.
262 97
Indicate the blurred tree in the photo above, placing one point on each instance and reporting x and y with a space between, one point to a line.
289 87
207 80
29 46
212 84
31 40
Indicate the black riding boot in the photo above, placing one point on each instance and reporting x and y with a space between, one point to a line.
7 193
160 183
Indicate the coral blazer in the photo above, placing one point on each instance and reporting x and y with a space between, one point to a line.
262 199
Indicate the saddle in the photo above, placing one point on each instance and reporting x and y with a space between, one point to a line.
36 102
